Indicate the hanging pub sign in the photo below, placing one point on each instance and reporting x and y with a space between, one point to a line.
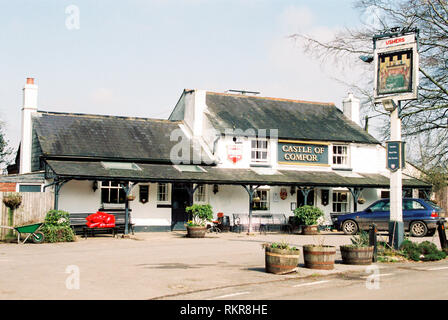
307 153
396 66
395 155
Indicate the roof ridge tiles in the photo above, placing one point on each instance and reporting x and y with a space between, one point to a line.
87 115
273 99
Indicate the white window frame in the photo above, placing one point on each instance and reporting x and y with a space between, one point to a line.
347 202
109 187
344 157
200 195
167 193
267 201
258 149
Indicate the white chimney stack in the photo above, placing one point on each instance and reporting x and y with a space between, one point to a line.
351 108
29 107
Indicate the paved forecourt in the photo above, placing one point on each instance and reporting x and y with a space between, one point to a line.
147 265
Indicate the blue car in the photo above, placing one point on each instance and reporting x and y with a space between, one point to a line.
420 217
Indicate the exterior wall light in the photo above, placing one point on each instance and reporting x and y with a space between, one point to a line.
215 188
94 185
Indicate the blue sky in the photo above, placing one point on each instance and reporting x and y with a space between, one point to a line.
135 57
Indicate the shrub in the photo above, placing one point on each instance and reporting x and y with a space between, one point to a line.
201 213
425 251
361 239
308 215
57 228
279 245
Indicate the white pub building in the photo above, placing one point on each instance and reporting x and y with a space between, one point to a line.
214 148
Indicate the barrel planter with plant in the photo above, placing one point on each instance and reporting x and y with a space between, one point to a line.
280 258
201 213
307 216
359 252
319 256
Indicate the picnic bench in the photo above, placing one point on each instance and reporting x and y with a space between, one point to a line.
78 223
261 222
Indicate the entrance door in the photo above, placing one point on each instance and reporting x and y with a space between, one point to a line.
179 201
301 198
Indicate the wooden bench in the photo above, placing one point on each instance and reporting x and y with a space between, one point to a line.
78 223
260 222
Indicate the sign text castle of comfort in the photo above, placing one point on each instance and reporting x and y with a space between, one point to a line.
302 153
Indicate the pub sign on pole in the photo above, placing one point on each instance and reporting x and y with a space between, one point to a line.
396 66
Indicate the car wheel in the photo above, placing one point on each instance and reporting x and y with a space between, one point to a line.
349 227
418 229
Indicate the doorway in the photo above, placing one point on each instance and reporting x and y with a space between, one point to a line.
180 199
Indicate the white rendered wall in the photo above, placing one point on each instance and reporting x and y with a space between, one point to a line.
78 196
147 214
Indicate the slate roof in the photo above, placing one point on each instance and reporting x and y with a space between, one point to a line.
103 137
33 177
300 120
168 173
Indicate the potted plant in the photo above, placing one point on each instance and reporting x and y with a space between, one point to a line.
200 213
280 257
308 216
319 256
359 252
12 201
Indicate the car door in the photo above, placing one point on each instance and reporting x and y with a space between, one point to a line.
383 216
377 213
412 210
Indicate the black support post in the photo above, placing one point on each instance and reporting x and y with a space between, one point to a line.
442 235
373 241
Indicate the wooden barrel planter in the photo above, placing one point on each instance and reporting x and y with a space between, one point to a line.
319 257
310 230
196 232
356 255
281 261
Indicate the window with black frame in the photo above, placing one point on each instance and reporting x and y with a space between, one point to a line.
112 192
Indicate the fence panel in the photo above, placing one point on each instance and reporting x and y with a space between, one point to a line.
33 209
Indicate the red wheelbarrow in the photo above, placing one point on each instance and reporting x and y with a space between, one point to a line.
32 229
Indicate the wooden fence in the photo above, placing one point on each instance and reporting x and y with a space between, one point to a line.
33 209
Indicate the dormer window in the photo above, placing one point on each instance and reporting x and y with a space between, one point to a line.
260 151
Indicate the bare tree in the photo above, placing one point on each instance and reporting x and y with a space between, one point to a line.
5 151
426 118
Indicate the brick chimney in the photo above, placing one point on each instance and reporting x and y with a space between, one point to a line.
351 108
29 107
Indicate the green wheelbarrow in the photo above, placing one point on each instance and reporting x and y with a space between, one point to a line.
32 229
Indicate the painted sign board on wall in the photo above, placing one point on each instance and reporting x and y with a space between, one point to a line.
308 153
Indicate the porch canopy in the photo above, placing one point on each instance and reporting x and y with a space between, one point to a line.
62 171
145 172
